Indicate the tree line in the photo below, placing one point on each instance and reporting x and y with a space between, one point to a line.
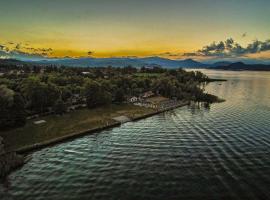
28 90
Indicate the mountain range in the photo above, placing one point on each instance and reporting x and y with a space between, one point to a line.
122 62
140 62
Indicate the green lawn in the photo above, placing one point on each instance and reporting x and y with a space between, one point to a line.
57 126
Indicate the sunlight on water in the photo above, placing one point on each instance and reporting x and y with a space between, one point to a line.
189 153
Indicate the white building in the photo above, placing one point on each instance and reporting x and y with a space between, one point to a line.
133 99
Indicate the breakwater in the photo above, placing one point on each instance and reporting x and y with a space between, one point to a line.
8 160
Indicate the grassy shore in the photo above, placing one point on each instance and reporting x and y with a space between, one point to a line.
59 126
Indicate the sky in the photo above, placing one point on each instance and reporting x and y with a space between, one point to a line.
118 28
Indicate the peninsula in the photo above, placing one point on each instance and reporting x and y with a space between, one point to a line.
43 105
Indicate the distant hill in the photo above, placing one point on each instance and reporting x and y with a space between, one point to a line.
11 62
139 62
93 62
221 63
122 62
188 63
243 66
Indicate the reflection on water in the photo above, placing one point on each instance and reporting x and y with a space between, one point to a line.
221 152
196 108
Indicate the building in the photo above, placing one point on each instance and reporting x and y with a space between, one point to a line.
148 94
133 99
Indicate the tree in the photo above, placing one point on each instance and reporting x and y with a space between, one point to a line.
6 102
96 95
39 95
119 95
66 93
59 107
53 94
105 98
18 110
92 94
12 111
34 92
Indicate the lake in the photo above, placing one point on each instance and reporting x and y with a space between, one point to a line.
195 152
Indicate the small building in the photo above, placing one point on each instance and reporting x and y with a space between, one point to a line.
39 122
148 94
133 99
156 102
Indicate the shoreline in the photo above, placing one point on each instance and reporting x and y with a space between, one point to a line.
31 148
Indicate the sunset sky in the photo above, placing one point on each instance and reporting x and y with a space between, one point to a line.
106 28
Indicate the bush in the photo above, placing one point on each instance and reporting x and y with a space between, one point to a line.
59 107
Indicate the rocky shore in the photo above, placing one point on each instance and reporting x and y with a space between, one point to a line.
8 160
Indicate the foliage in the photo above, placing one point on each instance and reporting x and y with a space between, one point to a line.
12 112
119 95
59 107
96 95
52 88
39 95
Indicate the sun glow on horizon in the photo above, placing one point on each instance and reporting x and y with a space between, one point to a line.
94 28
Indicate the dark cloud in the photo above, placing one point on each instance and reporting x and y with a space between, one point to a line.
230 48
89 53
265 46
19 50
168 54
191 54
18 46
2 47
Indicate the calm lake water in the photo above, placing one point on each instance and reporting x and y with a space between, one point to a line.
189 153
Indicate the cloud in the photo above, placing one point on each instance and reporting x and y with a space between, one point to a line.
192 54
89 53
168 54
3 48
18 46
21 51
230 48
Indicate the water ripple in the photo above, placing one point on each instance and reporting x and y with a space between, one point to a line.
188 153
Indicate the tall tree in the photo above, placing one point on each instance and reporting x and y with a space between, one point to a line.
96 95
39 95
59 107
12 108
119 95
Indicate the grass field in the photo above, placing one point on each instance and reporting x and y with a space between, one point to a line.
57 126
